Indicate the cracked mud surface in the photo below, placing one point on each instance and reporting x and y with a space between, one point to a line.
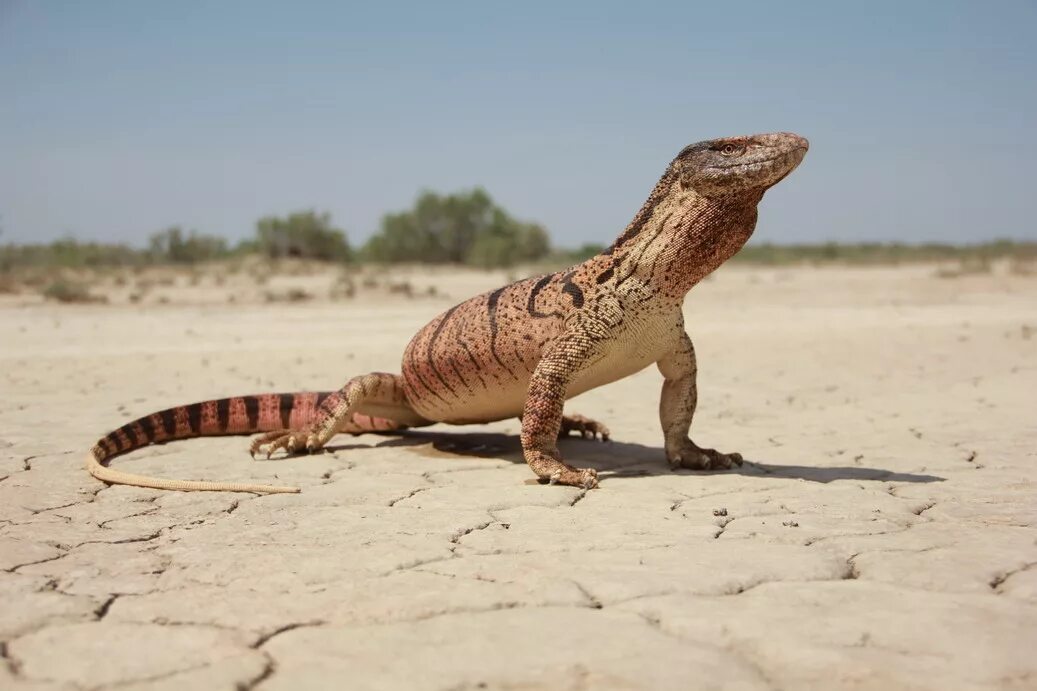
881 535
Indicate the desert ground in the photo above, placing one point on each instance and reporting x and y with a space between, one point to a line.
882 534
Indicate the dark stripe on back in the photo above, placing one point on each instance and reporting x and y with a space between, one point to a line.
321 397
286 405
605 275
223 414
147 428
491 309
127 429
194 417
251 411
168 417
572 290
537 288
432 343
471 357
411 369
114 441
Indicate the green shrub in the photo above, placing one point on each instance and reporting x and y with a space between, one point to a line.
305 234
462 228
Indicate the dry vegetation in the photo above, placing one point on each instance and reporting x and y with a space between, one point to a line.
257 279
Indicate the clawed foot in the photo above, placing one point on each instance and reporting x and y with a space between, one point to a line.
588 429
587 478
692 456
291 441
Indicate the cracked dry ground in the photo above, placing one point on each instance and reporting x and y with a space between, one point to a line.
881 537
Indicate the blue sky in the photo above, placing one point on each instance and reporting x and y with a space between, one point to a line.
120 118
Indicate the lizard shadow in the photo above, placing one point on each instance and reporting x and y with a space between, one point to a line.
617 459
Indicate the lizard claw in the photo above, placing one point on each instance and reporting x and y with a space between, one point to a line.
587 478
697 458
588 429
282 439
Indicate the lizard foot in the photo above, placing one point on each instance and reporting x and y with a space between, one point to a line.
588 429
692 456
587 478
290 441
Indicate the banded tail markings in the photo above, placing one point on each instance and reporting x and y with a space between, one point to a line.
168 418
251 411
130 435
194 418
223 414
147 427
239 415
286 402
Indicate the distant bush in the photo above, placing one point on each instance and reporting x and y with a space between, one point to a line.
71 254
304 234
462 228
173 246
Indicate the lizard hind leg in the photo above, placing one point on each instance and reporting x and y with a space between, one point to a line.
373 402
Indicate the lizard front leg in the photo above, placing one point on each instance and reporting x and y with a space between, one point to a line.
542 415
677 407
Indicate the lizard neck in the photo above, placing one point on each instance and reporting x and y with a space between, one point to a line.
679 237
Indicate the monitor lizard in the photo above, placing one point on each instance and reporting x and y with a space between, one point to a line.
522 350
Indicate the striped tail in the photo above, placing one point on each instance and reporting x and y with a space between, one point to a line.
224 416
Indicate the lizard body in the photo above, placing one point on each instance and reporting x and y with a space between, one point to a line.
523 349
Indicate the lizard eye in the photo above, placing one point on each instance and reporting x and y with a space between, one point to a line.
728 149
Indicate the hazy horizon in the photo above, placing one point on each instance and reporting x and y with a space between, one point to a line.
119 119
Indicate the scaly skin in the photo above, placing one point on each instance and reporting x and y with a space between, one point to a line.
523 349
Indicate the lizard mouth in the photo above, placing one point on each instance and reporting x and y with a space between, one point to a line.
739 167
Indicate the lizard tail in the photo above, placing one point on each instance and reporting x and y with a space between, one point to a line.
224 416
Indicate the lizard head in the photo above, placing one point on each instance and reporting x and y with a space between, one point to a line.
735 165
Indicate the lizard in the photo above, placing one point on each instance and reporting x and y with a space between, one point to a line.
522 350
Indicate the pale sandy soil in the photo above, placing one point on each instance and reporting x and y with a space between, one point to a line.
883 535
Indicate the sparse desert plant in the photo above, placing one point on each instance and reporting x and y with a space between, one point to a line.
1022 267
67 291
290 295
968 266
8 284
343 288
37 279
402 288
